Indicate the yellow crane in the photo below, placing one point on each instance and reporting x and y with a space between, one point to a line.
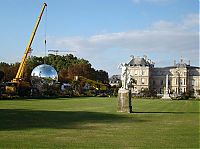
18 82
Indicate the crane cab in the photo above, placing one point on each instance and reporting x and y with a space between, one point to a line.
11 88
21 88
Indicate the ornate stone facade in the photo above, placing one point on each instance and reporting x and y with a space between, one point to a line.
181 77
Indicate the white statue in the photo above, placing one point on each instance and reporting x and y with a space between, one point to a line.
166 92
125 76
167 89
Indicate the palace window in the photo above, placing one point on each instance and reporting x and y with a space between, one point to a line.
136 81
193 91
136 72
143 72
193 82
181 82
142 80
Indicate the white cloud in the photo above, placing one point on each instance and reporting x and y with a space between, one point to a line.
163 40
164 25
191 20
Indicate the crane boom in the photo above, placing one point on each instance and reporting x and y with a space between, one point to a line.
20 71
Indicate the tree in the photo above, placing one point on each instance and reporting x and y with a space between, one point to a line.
102 76
79 70
67 66
1 75
148 93
63 75
76 87
9 70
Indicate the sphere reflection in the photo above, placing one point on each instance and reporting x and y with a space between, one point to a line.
43 75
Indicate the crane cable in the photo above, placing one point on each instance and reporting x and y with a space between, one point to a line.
45 33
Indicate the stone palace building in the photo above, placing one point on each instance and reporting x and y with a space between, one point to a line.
182 77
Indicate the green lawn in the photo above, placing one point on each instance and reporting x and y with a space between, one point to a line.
94 123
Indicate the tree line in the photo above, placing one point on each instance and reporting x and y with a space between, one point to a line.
68 66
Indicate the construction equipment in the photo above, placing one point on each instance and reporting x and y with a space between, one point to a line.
56 51
18 84
93 84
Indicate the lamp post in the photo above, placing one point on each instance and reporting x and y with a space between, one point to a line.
130 86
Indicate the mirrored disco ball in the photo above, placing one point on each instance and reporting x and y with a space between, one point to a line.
43 75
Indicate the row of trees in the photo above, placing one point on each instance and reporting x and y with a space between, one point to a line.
67 67
9 71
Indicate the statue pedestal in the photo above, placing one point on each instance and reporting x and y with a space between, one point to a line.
166 93
124 101
166 96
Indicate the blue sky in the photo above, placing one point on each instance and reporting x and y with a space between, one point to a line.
105 32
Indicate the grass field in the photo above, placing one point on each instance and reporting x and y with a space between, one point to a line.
94 123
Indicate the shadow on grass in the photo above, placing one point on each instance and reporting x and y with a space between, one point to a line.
167 112
20 119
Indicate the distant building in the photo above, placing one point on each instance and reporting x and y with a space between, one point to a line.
115 80
182 76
